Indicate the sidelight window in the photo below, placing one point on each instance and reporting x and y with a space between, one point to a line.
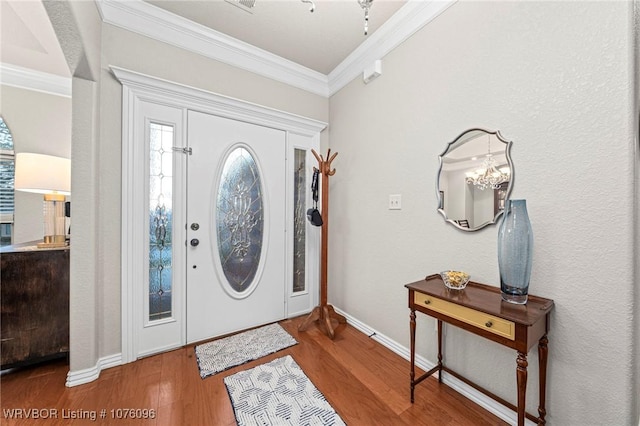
299 220
160 220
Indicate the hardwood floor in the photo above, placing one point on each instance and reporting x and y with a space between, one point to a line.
366 383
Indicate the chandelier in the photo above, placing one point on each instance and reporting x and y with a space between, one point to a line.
364 4
488 175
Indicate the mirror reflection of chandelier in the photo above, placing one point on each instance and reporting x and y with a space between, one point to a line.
488 175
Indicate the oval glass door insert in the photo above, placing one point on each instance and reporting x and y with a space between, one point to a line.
240 219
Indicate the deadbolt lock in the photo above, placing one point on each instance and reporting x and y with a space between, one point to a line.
195 226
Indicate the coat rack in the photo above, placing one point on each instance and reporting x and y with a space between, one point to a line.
324 313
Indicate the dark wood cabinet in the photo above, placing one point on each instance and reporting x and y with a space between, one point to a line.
34 299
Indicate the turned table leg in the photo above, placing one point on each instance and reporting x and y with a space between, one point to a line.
439 351
543 351
521 375
412 327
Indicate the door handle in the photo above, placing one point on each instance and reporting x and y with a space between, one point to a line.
195 242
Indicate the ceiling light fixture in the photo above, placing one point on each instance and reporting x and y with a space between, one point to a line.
488 176
364 4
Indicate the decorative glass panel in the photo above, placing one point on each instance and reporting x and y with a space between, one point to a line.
299 217
240 219
160 220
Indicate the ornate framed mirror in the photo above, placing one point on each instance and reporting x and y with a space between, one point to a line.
475 179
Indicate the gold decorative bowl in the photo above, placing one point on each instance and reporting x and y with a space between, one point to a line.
455 280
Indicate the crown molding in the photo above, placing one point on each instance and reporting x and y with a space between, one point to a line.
25 78
148 20
145 19
410 18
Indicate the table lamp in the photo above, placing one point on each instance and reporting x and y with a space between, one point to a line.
51 176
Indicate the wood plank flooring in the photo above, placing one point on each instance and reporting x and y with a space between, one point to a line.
366 383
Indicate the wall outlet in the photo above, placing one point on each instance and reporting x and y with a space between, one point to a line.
395 202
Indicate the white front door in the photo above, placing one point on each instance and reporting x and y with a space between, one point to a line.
235 226
166 302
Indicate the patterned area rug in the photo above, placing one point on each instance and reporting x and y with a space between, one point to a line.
278 393
220 355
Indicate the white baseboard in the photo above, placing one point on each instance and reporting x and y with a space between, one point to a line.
461 387
80 377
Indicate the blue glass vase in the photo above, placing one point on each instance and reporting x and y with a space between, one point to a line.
515 252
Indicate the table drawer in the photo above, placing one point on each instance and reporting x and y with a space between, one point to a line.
490 323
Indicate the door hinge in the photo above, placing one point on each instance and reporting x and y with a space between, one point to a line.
183 150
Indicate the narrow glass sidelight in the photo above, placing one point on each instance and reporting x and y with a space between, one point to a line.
299 220
240 219
160 220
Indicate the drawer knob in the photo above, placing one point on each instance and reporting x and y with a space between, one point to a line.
426 302
488 324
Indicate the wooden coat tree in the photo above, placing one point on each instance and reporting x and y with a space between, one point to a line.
324 313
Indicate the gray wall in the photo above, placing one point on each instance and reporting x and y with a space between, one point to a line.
556 78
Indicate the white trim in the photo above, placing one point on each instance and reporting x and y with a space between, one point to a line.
182 96
459 386
148 20
129 248
414 15
138 88
25 78
80 377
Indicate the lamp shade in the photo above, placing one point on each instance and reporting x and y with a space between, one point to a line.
42 174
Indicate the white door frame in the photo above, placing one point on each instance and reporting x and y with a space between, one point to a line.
302 133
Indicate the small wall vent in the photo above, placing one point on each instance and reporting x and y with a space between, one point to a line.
245 5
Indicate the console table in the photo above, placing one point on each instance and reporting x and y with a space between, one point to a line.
480 310
34 304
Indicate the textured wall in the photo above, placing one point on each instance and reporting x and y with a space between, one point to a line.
75 25
553 77
556 78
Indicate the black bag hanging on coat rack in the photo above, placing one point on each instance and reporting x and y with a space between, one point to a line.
313 214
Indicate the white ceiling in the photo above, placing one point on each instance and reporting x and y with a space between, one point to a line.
318 40
319 52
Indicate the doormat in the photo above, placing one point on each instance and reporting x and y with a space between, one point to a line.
223 354
278 393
